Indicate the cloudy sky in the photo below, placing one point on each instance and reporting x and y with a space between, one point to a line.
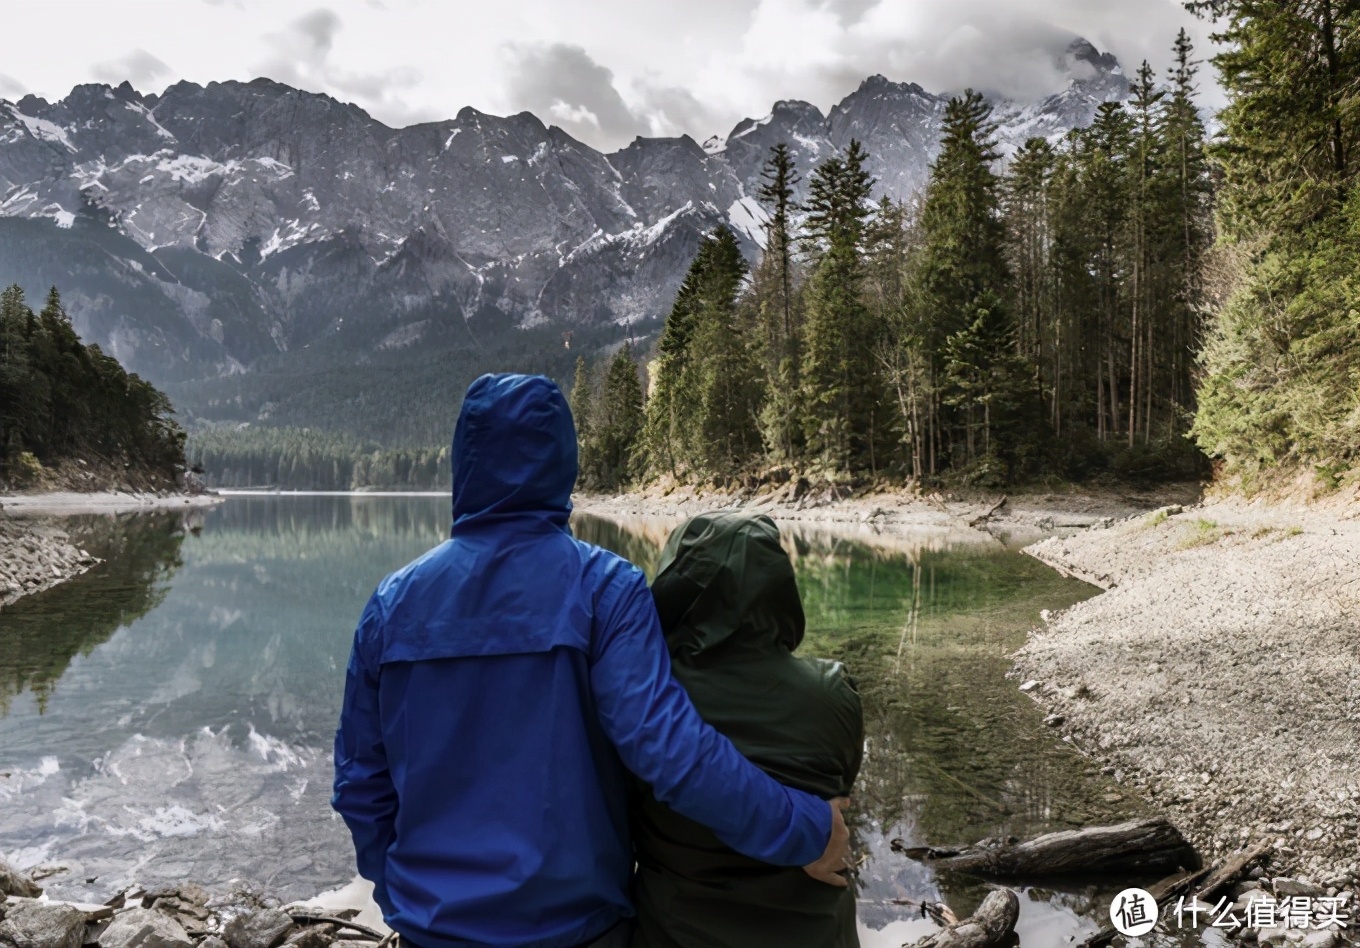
606 70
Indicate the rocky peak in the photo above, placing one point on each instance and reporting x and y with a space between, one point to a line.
1082 60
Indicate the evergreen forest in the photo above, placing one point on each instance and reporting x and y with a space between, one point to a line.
1025 319
66 405
1136 298
1141 298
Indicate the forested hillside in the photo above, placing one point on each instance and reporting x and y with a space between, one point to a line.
1037 319
300 458
70 414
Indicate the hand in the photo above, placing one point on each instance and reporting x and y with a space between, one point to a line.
836 858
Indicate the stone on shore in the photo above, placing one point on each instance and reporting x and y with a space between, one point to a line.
30 924
144 928
266 928
14 882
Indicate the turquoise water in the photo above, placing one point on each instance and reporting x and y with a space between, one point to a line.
169 715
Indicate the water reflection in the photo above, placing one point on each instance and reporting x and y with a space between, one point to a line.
169 715
44 632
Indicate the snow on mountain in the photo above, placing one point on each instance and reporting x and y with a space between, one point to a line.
308 213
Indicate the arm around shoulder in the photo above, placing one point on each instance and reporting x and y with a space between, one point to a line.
690 766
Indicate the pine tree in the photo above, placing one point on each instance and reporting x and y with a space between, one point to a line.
583 398
777 308
1030 258
1191 234
702 322
21 413
1282 359
620 423
988 380
60 399
962 271
841 399
727 370
1143 221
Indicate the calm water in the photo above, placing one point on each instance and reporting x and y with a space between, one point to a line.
170 714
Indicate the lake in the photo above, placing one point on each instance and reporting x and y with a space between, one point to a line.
170 714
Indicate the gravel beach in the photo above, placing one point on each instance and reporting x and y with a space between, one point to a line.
1219 673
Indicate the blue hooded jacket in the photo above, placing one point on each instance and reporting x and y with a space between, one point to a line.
499 688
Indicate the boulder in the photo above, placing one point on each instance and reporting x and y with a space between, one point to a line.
42 925
14 882
144 928
266 928
186 892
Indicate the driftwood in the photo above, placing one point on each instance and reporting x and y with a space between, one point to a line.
306 918
983 518
1137 846
1205 883
937 912
1230 870
991 926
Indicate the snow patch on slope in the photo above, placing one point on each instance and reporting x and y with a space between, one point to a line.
41 128
747 217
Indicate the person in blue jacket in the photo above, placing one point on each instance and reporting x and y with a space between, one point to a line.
500 689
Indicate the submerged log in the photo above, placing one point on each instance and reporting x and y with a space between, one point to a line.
991 926
1137 846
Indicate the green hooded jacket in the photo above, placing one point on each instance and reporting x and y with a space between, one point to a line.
729 607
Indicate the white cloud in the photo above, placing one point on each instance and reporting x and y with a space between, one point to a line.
618 67
138 67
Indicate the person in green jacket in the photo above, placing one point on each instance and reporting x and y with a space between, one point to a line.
730 610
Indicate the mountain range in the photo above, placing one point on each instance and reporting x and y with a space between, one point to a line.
259 249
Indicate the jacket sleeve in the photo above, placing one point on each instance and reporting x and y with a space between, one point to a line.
364 793
690 766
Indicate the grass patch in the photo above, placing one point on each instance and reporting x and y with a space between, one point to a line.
1201 533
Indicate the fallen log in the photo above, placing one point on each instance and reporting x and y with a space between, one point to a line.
1136 846
991 926
1205 883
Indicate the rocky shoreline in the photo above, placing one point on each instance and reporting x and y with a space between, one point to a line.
179 916
1219 674
36 553
970 516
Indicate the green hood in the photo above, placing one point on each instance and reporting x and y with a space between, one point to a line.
726 591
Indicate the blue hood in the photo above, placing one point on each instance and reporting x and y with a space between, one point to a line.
514 451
